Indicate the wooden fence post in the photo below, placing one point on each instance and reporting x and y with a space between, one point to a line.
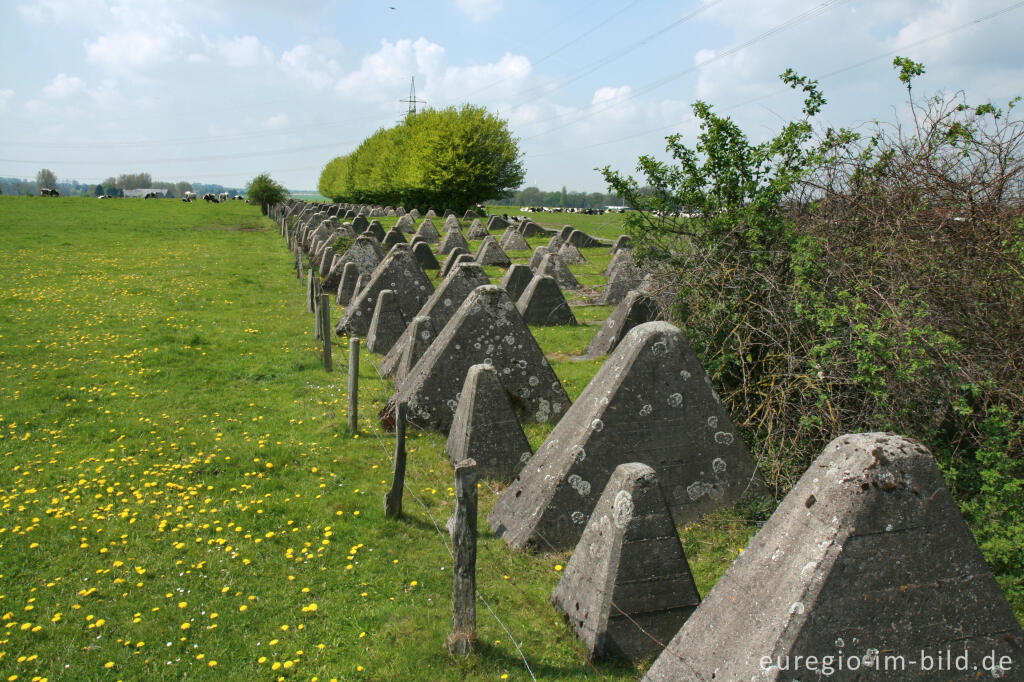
353 385
393 498
462 527
324 317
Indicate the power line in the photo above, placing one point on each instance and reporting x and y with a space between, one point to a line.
830 74
617 101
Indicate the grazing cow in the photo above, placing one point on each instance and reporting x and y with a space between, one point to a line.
210 199
238 197
49 193
151 195
223 196
189 195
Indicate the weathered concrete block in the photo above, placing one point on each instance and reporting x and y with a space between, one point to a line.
486 328
387 323
417 338
376 231
542 303
452 240
415 214
582 240
406 224
570 255
538 256
485 428
621 242
516 279
553 266
490 253
635 309
650 402
399 271
428 232
449 262
512 240
451 223
866 559
439 308
622 257
628 582
426 257
359 223
365 253
476 230
496 222
393 237
623 280
347 283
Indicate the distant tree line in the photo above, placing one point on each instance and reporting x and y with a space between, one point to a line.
532 196
113 187
439 158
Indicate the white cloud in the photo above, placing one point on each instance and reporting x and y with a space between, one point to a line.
63 86
130 50
5 95
276 121
386 72
242 51
302 63
47 11
480 9
197 58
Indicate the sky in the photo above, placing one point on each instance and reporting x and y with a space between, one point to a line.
218 91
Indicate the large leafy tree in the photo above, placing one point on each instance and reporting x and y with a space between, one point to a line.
446 158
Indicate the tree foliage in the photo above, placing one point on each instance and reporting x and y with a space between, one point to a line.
46 179
265 191
835 283
450 158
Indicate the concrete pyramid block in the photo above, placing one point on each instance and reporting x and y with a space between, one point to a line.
390 212
470 214
622 257
635 309
426 257
621 242
393 236
552 266
418 337
542 303
347 283
415 214
430 226
399 272
538 256
476 230
448 212
400 210
485 427
451 223
486 328
496 222
513 241
326 257
623 280
570 255
490 253
555 243
628 582
387 323
452 240
428 232
364 252
564 233
359 224
650 402
439 308
530 228
449 262
406 224
582 240
866 559
516 279
376 231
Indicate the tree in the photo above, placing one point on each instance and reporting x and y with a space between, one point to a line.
265 191
134 181
46 179
98 191
449 158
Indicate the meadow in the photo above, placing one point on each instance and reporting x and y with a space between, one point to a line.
180 496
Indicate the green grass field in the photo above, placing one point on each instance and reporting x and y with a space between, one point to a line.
179 496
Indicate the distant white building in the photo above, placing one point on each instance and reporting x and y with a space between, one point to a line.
141 193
